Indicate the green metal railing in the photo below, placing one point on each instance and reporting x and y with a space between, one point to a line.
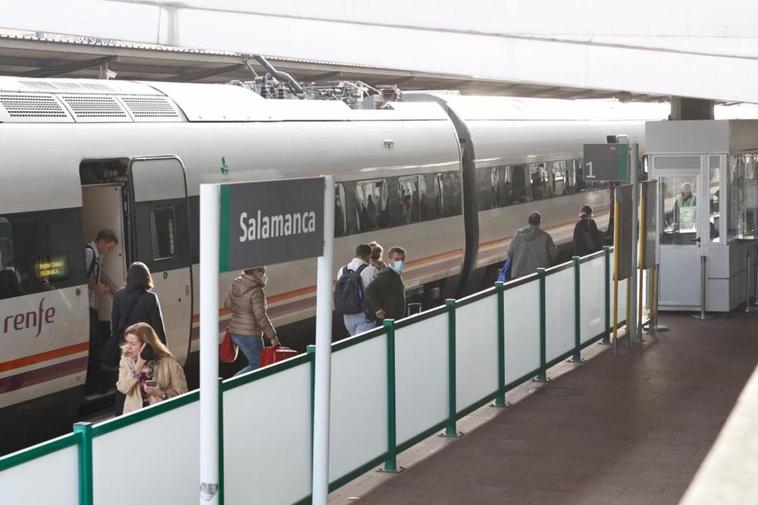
84 433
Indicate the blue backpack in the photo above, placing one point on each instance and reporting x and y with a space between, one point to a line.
504 275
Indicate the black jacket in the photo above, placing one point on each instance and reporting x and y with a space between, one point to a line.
136 306
587 238
386 292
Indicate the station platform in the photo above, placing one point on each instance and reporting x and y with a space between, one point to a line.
630 429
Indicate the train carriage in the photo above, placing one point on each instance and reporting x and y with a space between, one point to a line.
445 180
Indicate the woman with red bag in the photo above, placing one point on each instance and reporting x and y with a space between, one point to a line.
250 321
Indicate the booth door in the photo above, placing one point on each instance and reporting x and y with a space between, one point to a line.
160 237
680 239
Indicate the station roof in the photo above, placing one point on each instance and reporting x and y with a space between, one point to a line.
38 54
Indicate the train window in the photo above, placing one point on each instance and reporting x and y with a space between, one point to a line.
451 193
579 170
340 217
427 202
163 233
35 252
558 178
406 206
538 174
484 188
371 204
519 189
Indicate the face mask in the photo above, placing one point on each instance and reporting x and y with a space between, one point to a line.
398 266
264 278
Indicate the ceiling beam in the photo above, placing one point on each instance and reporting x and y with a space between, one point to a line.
69 67
207 72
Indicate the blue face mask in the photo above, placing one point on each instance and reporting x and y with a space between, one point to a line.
398 266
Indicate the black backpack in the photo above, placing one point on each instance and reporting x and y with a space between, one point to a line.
348 294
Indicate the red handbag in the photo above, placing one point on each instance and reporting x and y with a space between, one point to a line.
227 351
270 355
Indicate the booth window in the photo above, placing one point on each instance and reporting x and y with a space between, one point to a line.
680 206
714 202
742 216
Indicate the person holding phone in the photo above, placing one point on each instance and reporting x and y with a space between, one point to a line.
148 372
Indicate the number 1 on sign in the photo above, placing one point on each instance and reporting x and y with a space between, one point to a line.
589 174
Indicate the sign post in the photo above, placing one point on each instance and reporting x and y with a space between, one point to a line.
209 391
323 375
247 225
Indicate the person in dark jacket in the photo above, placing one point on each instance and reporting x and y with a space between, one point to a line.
587 238
386 294
135 303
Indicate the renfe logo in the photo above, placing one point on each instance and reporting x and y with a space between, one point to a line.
25 320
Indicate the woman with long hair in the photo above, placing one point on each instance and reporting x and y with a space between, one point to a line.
134 303
148 372
137 303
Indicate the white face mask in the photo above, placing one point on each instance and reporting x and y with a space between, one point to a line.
264 278
398 266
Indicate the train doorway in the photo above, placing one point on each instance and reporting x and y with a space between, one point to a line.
103 184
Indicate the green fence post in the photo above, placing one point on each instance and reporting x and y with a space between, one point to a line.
220 441
85 463
390 462
542 374
500 399
450 429
607 334
577 357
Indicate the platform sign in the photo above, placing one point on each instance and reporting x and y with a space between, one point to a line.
623 248
268 222
648 220
606 162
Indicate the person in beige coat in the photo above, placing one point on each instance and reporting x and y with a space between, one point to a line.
148 372
250 321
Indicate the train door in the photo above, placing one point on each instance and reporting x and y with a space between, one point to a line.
160 237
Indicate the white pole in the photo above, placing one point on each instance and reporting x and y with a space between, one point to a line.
632 284
210 202
321 401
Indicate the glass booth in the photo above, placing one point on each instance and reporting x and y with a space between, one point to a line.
707 208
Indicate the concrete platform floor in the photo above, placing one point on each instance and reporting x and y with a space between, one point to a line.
631 429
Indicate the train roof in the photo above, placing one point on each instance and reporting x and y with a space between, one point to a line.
25 100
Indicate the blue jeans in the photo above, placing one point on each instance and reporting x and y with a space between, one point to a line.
251 346
357 323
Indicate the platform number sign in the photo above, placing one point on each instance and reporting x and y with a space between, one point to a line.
606 162
268 222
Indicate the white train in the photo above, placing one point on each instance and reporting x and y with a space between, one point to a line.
449 181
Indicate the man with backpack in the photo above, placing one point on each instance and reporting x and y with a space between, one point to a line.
349 293
94 252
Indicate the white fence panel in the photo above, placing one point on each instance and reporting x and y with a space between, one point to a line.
476 351
141 454
267 439
621 301
421 376
359 406
559 312
53 478
522 330
593 298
